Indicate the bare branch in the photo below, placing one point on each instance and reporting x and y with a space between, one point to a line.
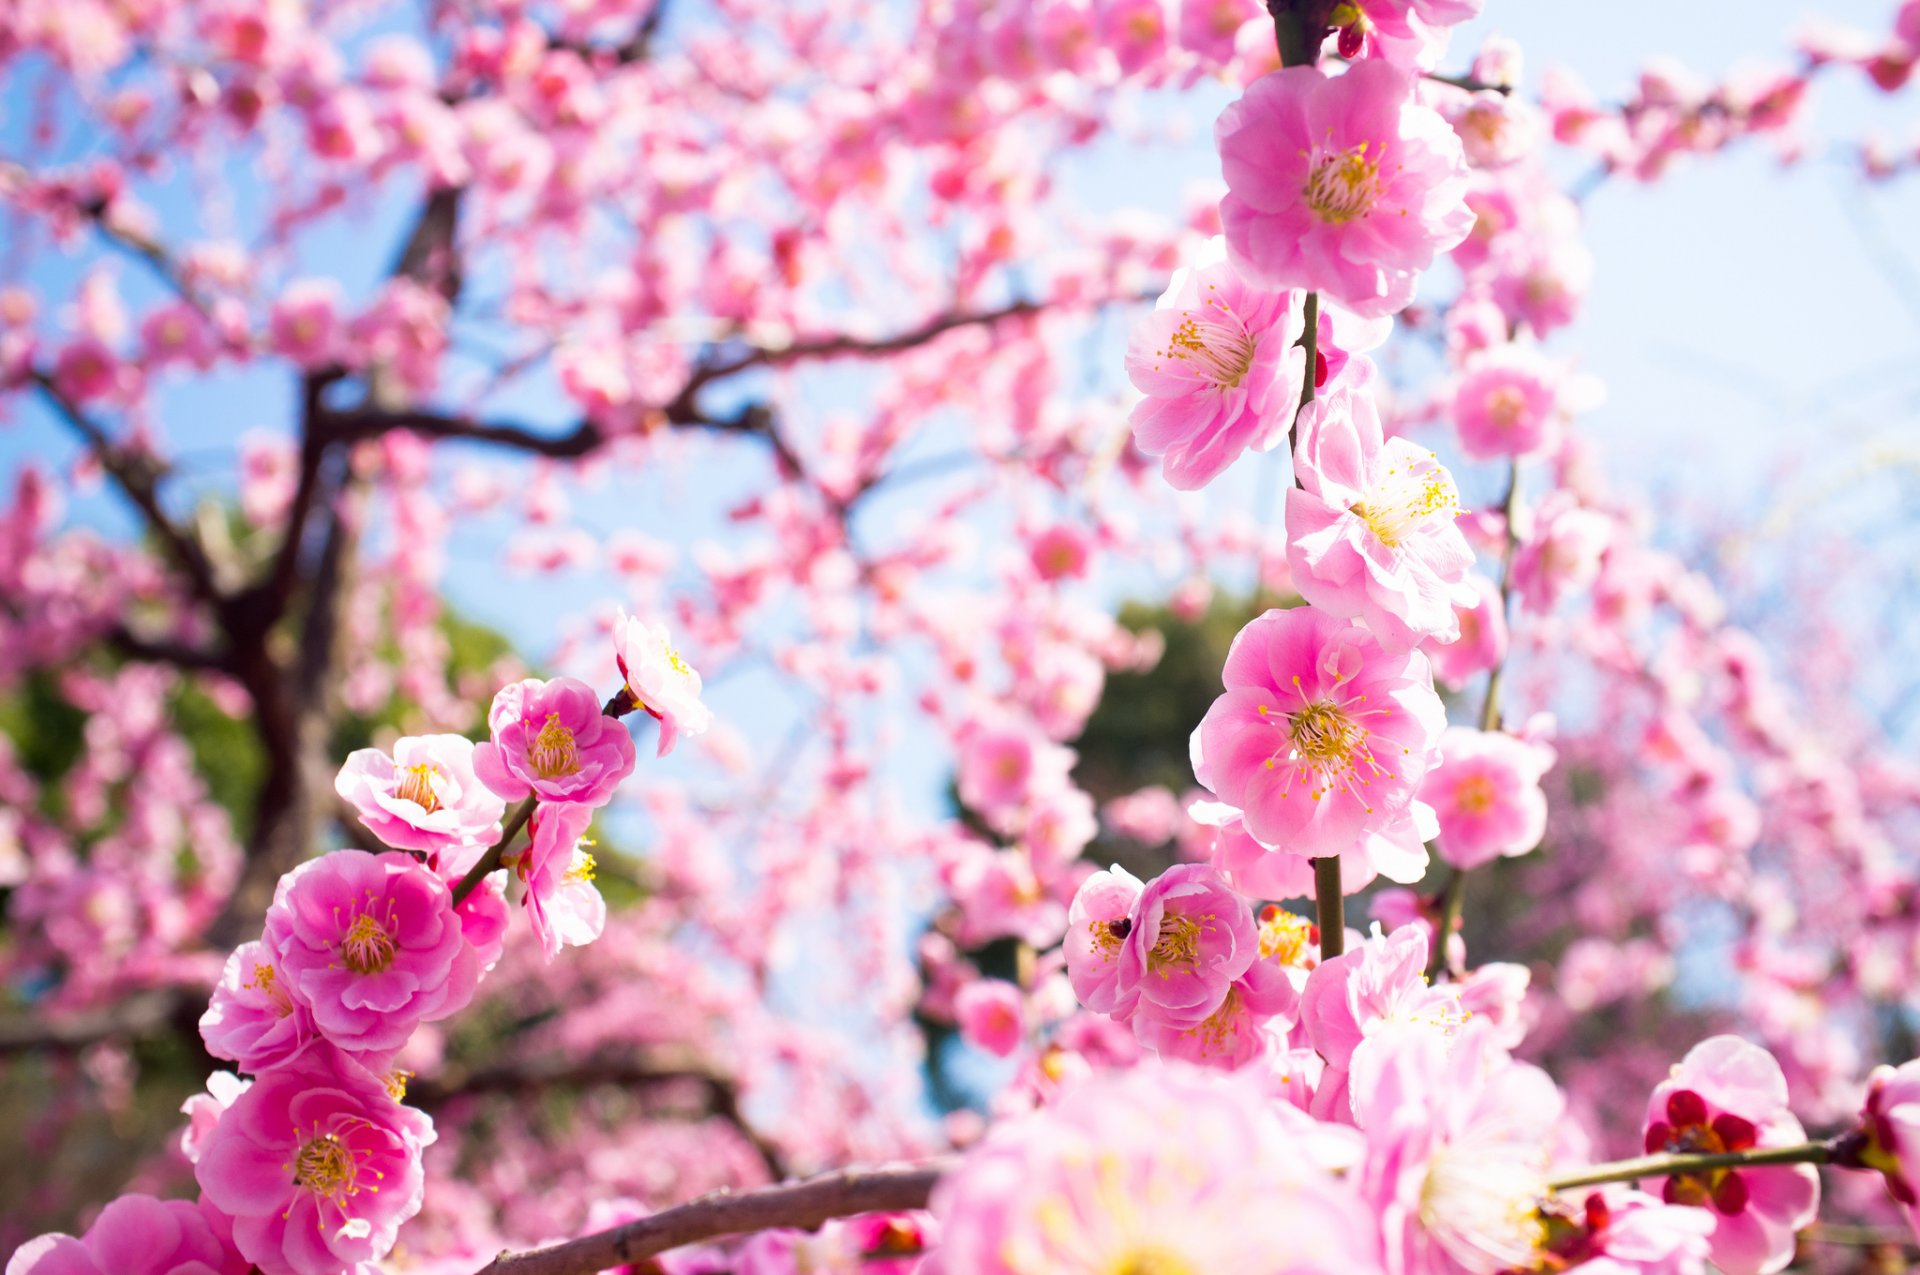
802 1205
164 651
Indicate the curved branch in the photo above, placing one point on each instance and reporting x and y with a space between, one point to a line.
801 1205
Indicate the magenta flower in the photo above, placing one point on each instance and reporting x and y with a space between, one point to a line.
991 1015
1156 1168
550 739
253 1018
1728 1095
1891 1122
371 943
1098 923
1370 528
135 1235
659 680
1189 937
317 1165
1487 795
1321 740
1507 403
1344 185
561 900
1218 362
424 797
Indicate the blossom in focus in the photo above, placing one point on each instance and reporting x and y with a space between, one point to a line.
1099 920
1340 184
1487 795
1728 1095
1158 1168
659 680
1370 527
425 796
563 904
1321 740
1377 989
1189 938
296 1159
372 945
1218 362
550 739
253 1018
135 1235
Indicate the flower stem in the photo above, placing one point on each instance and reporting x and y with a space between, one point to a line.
1661 1166
491 859
1331 906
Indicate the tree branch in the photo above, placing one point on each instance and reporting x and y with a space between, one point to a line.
801 1205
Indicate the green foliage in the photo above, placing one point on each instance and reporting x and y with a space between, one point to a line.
47 732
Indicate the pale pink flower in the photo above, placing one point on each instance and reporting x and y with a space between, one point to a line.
1098 923
1321 740
135 1235
1487 795
1160 1167
659 680
295 1160
306 325
1000 896
253 1018
1507 403
1377 989
1619 1231
1482 643
1218 362
1004 763
550 739
1370 527
1728 1095
203 1111
1188 938
1408 33
1459 1139
1345 185
562 903
992 1015
1890 1121
371 943
424 797
1562 554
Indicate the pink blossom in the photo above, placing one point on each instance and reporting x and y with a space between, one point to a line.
1344 185
253 1018
550 739
1220 369
1003 764
1506 404
371 943
1890 1121
1618 1231
1408 33
203 1110
1189 937
424 797
1482 643
306 325
1321 740
659 680
1060 552
1377 989
294 1162
562 903
1728 1095
1370 527
1562 554
1098 924
134 1235
1459 1139
1487 795
1161 1167
991 1014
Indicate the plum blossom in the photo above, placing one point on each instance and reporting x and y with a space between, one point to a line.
659 680
562 903
1563 552
1321 740
1203 1173
1617 1231
425 796
1370 527
1340 184
991 1015
1221 369
1099 921
1890 1122
1728 1095
1377 989
135 1235
1487 795
550 739
1507 403
1482 643
1188 938
297 1158
372 945
253 1018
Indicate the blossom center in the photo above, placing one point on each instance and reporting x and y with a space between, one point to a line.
268 984
327 1167
368 947
1284 936
416 786
1481 1204
1324 736
1506 405
1345 184
1151 1261
1177 945
1220 353
1690 1129
554 752
582 868
1407 499
1475 794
